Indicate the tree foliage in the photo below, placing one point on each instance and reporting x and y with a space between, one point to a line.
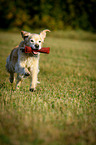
50 14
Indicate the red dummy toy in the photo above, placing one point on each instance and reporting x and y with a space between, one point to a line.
42 50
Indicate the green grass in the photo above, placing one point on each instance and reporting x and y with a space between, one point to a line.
63 109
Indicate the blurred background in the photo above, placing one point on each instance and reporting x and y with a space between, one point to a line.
54 15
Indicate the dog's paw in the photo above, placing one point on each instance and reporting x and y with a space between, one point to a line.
27 74
32 89
17 87
38 82
11 79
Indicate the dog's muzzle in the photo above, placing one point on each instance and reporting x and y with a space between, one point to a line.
36 47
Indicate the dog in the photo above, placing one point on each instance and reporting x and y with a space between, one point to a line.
25 64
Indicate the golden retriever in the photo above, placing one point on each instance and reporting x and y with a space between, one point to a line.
26 64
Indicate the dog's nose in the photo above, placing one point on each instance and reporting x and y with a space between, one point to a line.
36 46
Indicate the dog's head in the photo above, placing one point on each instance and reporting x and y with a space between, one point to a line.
34 40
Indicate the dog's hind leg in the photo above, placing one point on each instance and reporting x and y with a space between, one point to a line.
19 79
11 78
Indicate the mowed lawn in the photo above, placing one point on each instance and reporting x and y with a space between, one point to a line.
63 109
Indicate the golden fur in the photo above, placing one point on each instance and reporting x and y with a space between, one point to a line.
25 64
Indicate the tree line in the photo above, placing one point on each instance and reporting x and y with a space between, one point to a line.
51 14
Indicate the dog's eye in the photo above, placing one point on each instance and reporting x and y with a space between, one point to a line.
32 40
39 41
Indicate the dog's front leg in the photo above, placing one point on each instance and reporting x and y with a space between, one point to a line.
34 74
33 80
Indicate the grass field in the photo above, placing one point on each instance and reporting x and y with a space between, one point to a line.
63 109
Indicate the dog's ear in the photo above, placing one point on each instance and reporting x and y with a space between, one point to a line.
25 34
43 33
